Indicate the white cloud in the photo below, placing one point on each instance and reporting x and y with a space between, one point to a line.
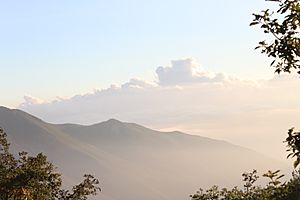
29 100
138 83
187 98
186 71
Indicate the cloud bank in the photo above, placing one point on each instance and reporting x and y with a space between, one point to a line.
185 97
186 71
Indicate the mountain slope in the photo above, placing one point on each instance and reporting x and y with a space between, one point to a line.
131 161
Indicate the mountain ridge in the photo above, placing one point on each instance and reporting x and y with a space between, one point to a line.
132 161
115 121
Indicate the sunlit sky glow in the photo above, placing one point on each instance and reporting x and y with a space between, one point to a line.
63 48
87 61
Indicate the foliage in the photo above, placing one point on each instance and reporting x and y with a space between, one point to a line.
293 145
274 190
284 29
285 51
33 177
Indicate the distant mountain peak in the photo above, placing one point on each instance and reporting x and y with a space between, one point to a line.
113 120
133 161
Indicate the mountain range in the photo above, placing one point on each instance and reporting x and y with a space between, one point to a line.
133 162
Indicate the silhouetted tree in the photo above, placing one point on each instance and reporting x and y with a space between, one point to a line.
33 177
283 25
293 145
285 50
274 190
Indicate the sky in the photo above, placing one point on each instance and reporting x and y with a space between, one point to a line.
62 48
187 65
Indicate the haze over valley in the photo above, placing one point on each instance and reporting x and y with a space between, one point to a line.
158 100
133 162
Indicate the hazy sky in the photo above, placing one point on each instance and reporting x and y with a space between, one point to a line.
171 64
184 97
62 48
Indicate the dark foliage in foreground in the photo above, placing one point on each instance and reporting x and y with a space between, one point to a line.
283 26
274 190
34 178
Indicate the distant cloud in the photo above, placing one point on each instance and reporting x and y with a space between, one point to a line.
138 83
178 86
29 100
186 97
186 71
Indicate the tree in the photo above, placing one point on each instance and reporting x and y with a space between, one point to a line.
274 190
33 177
285 47
285 51
293 146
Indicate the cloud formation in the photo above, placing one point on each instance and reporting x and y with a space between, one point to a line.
192 100
186 71
138 83
29 101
